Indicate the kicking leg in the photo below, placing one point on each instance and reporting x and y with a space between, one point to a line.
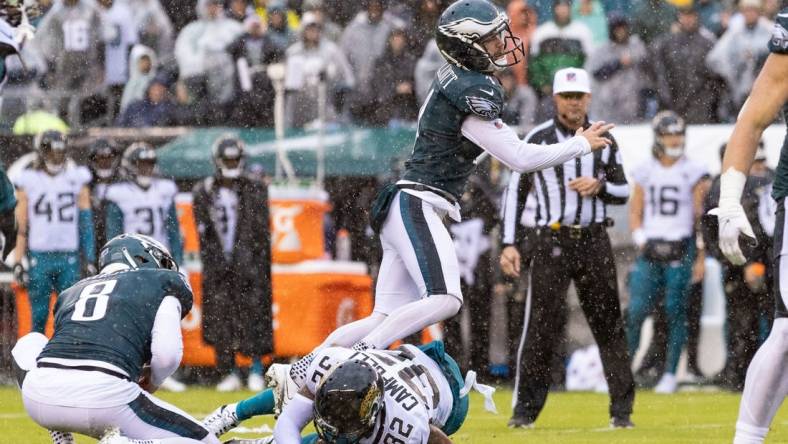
427 252
229 416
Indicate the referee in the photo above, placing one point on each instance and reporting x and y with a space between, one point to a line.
570 244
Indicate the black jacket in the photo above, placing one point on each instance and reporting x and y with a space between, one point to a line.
236 291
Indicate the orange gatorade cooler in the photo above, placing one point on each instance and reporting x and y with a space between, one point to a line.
297 223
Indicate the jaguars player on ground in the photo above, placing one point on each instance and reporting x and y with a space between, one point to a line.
419 281
766 385
117 337
666 205
143 203
409 395
55 224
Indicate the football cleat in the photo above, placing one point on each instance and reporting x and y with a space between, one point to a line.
667 385
230 383
278 379
621 422
520 422
173 385
255 382
222 420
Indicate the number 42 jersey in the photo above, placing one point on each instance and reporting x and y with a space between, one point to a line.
109 317
416 392
52 211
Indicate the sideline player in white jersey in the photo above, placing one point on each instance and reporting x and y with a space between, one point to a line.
766 385
666 205
55 224
143 203
15 29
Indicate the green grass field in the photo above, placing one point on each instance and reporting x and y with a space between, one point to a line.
697 417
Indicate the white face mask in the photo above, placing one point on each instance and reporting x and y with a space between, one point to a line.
674 152
231 173
143 181
104 173
54 168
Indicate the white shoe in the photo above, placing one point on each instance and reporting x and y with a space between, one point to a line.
113 437
278 379
667 384
255 383
173 385
222 420
230 383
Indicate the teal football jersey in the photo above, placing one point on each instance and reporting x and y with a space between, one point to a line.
442 157
7 197
109 317
778 44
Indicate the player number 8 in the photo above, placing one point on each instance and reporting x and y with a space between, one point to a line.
99 293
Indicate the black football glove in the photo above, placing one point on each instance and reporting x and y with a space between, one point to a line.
20 275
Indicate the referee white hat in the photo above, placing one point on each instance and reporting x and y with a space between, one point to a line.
571 80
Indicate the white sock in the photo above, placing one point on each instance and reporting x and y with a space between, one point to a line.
61 437
765 387
747 434
411 318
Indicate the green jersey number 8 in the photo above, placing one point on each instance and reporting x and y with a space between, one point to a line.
92 303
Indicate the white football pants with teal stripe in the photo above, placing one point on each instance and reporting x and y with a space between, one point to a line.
419 259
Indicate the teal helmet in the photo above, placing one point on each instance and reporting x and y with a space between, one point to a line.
136 251
465 25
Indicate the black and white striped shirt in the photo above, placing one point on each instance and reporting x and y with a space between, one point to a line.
550 200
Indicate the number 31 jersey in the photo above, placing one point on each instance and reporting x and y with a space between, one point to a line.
52 211
144 210
109 317
416 393
668 209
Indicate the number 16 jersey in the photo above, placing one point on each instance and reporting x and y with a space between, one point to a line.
668 209
52 210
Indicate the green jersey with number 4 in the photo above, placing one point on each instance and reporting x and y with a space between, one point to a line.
442 157
109 317
778 44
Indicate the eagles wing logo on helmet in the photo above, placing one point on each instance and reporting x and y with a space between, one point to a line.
483 107
467 29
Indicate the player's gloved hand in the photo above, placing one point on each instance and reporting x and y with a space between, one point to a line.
733 225
639 238
20 275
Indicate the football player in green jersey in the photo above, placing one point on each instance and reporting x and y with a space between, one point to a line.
419 281
117 338
766 384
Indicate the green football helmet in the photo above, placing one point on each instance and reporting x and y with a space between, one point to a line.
466 25
136 251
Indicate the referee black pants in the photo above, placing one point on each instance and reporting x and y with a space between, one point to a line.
587 259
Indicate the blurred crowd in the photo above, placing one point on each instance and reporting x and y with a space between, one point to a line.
155 63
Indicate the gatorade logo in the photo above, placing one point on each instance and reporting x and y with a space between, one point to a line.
285 236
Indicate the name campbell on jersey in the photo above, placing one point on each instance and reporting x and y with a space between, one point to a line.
416 393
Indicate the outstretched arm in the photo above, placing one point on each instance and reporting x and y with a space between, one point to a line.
502 142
